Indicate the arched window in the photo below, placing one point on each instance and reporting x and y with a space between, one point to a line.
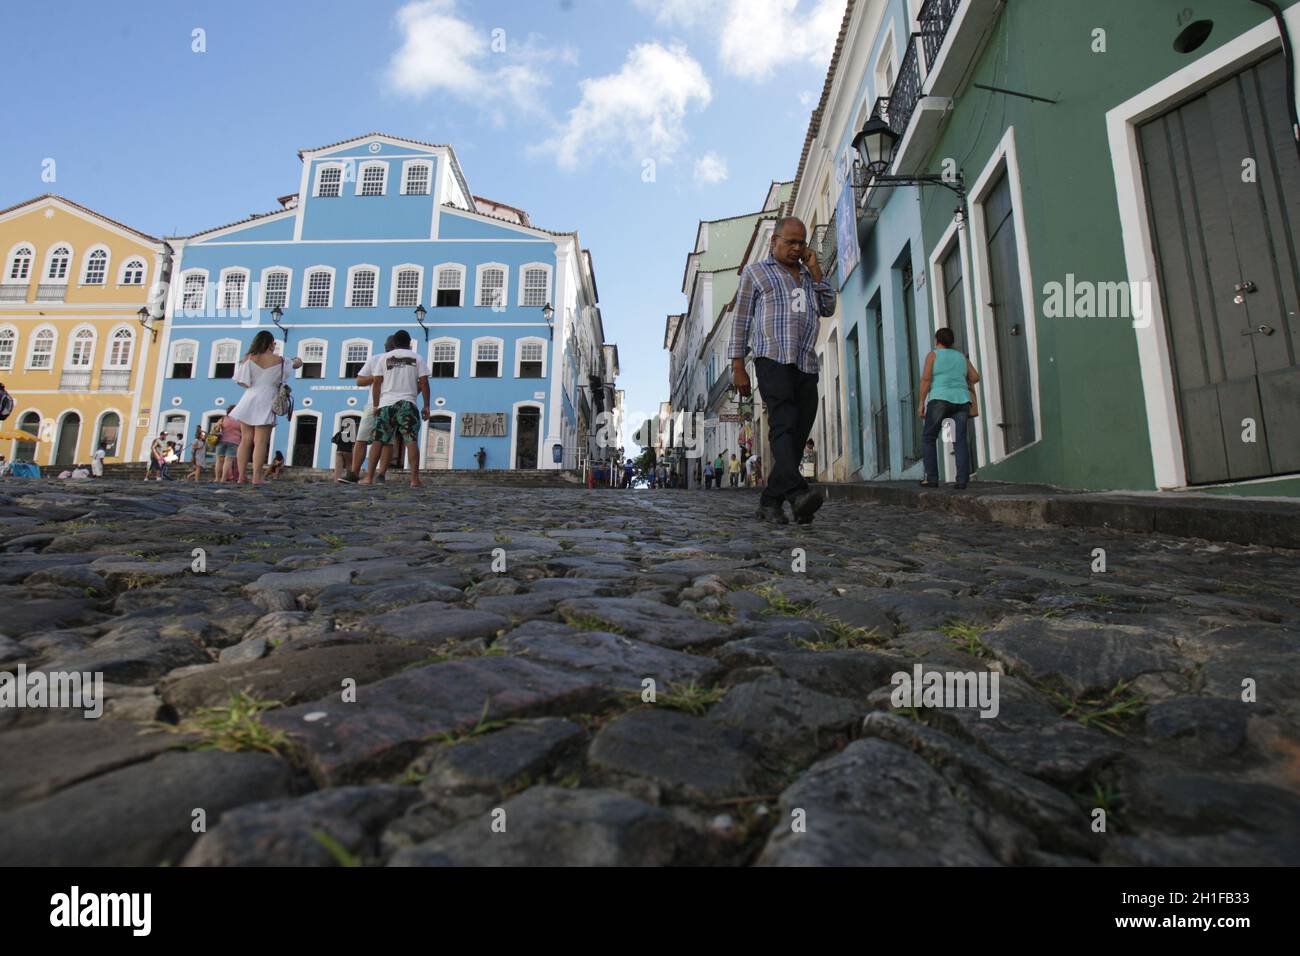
194 289
183 356
234 285
42 353
59 259
312 353
275 289
356 352
442 358
530 358
363 285
110 425
406 286
133 272
82 351
492 286
487 358
536 280
120 348
8 348
225 357
329 180
20 265
416 178
373 179
96 268
319 290
451 282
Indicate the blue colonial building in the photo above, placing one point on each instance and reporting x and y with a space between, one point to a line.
384 233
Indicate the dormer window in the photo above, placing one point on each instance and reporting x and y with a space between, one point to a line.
329 181
374 177
416 179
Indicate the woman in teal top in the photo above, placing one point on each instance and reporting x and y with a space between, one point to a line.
946 393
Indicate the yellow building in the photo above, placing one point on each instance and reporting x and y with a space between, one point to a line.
76 353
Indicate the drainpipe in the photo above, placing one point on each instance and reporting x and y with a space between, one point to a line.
1288 54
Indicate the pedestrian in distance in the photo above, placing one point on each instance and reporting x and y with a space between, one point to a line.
96 462
198 454
733 471
708 474
343 441
157 452
481 457
226 450
261 373
947 392
777 316
276 468
399 375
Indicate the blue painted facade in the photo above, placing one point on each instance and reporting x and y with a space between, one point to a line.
886 367
421 232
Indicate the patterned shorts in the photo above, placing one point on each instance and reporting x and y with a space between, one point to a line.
399 418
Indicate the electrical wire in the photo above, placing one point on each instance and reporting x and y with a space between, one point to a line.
1288 55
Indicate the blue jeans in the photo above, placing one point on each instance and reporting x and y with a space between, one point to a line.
936 410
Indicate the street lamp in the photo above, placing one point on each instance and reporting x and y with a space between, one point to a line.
144 316
276 315
548 314
420 313
875 145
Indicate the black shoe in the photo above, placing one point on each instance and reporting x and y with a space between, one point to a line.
960 487
806 505
773 513
927 483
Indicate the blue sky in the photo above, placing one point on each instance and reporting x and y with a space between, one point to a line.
553 106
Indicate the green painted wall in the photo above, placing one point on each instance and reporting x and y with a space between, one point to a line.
1094 427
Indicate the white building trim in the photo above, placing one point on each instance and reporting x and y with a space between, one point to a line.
514 430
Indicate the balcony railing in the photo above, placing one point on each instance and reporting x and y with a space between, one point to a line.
51 292
906 91
824 245
719 387
935 18
115 380
73 380
13 293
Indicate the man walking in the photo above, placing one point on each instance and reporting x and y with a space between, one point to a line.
398 376
777 312
733 470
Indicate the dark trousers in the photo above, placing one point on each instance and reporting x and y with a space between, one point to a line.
791 399
936 410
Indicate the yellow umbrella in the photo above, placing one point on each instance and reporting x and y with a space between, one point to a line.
20 436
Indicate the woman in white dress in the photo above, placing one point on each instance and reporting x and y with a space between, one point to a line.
261 372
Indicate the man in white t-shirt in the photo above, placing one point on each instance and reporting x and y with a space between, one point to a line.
97 462
366 428
397 377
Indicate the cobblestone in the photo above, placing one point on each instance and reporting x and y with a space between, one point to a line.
486 675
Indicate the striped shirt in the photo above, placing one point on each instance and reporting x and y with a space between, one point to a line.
783 314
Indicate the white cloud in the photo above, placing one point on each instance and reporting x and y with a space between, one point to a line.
710 168
442 51
638 111
684 13
755 37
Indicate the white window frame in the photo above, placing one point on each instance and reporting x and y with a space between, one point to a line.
455 343
306 286
473 356
406 166
519 353
185 276
887 55
956 237
31 348
12 330
17 419
49 259
514 431
324 359
298 415
121 432
126 265
9 263
361 177
419 285
478 283
212 358
171 360
85 264
108 349
343 178
221 289
523 273
374 298
72 345
288 286
343 356
460 270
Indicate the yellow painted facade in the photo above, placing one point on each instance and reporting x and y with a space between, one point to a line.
73 352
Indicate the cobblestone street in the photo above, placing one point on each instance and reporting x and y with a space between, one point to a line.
478 675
